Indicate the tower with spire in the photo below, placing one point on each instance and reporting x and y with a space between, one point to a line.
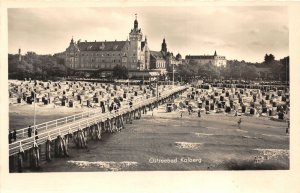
72 54
135 38
164 47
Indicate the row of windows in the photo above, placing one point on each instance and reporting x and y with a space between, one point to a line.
97 60
97 54
91 65
160 65
101 55
99 65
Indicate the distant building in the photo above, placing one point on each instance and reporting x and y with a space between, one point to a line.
163 60
204 59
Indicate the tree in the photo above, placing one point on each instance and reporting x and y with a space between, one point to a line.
269 58
120 72
35 66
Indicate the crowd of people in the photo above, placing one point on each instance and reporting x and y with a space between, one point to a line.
270 101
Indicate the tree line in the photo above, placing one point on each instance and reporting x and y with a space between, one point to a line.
45 67
279 70
35 66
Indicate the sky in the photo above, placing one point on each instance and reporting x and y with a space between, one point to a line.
242 33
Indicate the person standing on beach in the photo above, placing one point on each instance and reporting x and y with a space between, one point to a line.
239 122
199 113
287 129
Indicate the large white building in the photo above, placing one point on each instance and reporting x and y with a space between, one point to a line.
134 53
205 59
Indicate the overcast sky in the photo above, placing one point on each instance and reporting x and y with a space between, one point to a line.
243 33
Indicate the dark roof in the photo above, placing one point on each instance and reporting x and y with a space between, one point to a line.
142 45
199 57
156 54
101 46
178 56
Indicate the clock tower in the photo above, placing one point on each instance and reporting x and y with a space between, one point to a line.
135 38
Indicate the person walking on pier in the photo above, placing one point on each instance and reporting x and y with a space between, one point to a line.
36 134
29 131
10 136
15 135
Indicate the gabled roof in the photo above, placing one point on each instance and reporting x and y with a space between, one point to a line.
199 57
101 46
156 54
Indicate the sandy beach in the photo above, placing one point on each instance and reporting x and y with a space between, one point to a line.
166 142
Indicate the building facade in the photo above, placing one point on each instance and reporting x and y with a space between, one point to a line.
163 60
205 59
134 53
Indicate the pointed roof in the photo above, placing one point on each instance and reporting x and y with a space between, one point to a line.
215 54
136 24
156 54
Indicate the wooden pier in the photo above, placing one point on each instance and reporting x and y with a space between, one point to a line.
53 137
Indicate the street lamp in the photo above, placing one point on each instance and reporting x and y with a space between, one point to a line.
173 76
34 116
